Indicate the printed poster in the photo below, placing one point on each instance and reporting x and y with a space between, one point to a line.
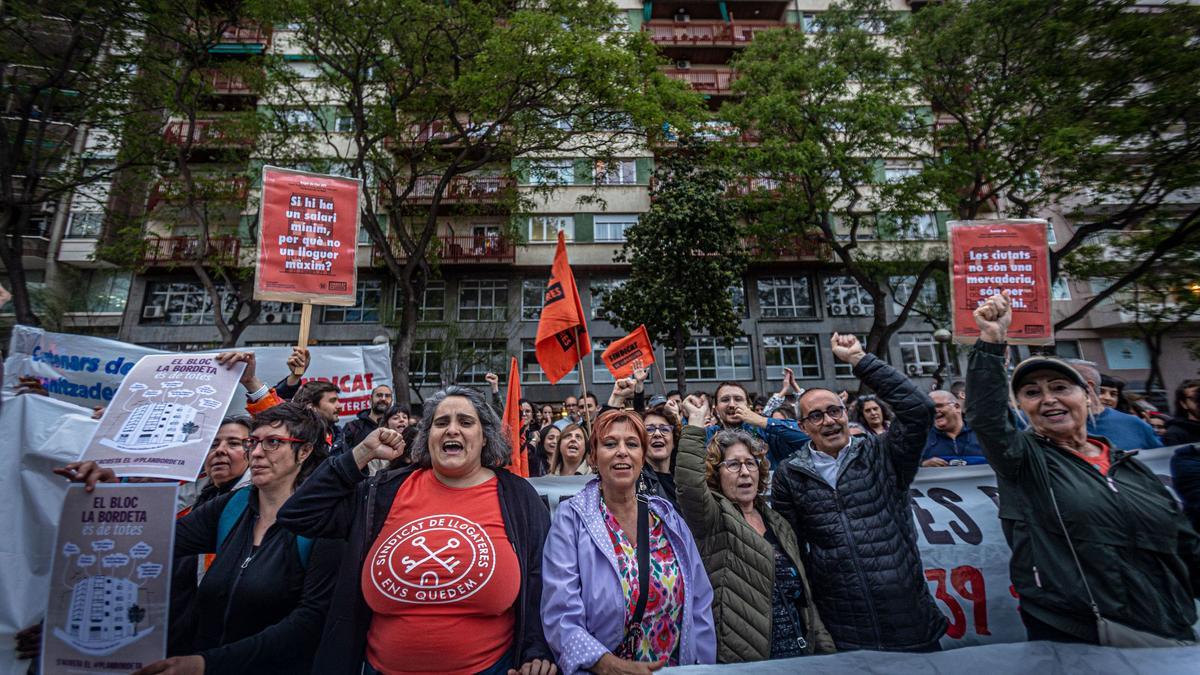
990 256
307 234
164 417
111 578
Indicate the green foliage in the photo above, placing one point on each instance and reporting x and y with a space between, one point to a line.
684 254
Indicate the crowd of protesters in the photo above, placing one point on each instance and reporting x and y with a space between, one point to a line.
716 528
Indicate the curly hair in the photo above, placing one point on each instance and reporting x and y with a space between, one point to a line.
721 442
888 415
496 452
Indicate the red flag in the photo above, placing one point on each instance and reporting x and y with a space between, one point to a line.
512 421
562 337
621 355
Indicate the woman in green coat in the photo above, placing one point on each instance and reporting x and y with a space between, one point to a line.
762 604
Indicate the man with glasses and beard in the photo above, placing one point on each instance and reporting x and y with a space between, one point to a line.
847 498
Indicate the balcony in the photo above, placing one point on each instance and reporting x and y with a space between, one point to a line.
205 133
209 188
224 250
797 247
462 189
709 81
458 249
707 33
227 84
242 40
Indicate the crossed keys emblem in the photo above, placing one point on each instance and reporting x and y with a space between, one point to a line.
449 562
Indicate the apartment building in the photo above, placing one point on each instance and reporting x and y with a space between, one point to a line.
487 299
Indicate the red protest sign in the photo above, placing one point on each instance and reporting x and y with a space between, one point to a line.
307 229
621 355
987 257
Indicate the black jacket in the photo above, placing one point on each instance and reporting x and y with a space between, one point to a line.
1140 555
1180 431
257 611
859 540
1185 476
338 501
183 584
354 431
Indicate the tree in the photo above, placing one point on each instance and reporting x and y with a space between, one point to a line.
684 255
822 111
64 73
434 95
1081 108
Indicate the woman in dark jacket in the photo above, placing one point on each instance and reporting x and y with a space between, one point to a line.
443 570
1133 551
261 605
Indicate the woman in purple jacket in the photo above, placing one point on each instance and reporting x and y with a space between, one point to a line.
590 580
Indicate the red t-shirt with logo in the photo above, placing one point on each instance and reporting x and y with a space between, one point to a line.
442 579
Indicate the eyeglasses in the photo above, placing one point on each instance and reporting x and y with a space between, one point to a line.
835 412
270 443
664 429
735 465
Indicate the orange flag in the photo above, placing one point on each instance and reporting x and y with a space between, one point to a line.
512 421
562 337
621 355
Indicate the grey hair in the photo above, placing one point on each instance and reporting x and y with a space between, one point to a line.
496 452
727 438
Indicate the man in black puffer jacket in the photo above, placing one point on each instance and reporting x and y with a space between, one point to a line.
848 499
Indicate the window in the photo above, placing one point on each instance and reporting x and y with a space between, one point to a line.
531 370
533 296
785 298
477 358
845 297
600 372
1051 238
1067 349
177 304
279 312
920 226
433 302
894 173
552 172
709 359
599 288
1061 290
1125 354
920 354
368 296
105 291
304 119
616 172
482 299
545 229
737 295
902 288
612 227
841 369
798 352
343 124
810 23
425 363
85 224
1098 286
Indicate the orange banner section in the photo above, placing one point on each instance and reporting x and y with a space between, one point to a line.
622 355
562 337
512 421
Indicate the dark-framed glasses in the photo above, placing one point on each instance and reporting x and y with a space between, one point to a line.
270 443
835 412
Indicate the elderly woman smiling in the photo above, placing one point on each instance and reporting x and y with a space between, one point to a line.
607 547
1129 558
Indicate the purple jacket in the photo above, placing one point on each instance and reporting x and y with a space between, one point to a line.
583 606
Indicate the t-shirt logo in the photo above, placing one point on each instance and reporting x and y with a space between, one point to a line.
434 560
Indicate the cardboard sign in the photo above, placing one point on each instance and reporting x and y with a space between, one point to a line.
164 417
111 579
307 233
621 355
987 257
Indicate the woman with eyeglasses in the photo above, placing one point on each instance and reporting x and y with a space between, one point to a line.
261 605
761 596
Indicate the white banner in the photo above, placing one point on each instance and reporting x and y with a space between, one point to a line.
87 370
962 546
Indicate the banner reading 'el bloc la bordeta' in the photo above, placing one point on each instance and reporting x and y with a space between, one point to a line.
87 370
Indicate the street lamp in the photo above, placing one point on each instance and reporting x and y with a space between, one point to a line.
942 337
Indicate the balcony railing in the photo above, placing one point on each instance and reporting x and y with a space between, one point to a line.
204 133
229 84
225 250
209 188
460 249
793 248
706 33
712 81
35 246
462 189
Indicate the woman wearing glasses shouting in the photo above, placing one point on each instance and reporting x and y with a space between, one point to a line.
262 603
761 597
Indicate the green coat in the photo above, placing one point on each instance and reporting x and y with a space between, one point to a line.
1140 554
740 562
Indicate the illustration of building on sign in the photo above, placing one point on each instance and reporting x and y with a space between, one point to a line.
104 616
154 426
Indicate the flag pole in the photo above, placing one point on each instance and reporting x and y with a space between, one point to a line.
662 380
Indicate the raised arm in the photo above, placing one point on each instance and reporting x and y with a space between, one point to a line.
988 410
695 499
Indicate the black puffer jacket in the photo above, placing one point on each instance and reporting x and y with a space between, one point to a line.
860 542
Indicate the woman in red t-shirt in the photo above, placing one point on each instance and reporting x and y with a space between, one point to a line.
444 572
